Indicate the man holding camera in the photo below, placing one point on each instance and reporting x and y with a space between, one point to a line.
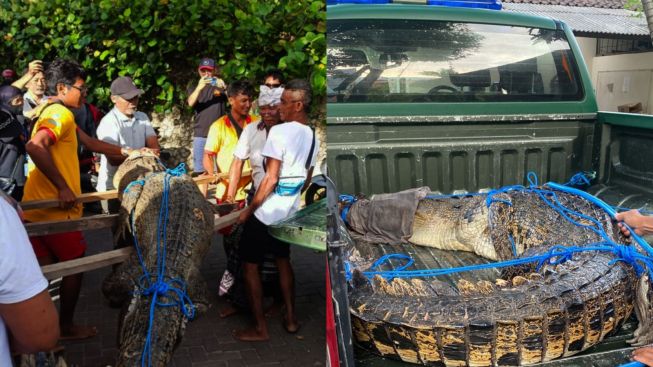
208 100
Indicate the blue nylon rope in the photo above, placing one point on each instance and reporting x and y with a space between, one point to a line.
162 286
556 254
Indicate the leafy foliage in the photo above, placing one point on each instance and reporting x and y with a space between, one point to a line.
159 42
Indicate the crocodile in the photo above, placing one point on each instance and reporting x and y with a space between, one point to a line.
524 316
140 181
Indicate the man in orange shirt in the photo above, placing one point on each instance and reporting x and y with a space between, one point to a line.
54 173
223 137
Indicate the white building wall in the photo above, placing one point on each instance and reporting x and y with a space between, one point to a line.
619 79
588 49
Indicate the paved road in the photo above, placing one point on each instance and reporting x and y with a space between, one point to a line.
208 340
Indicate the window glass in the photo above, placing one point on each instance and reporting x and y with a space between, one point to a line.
434 61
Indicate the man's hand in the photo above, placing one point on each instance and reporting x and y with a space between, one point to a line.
244 215
633 219
220 83
644 355
203 83
156 152
67 198
35 67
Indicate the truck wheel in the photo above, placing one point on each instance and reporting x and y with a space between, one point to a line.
314 193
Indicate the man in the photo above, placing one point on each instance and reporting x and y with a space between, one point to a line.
272 79
34 81
207 100
223 137
54 173
249 148
8 77
123 126
290 152
26 308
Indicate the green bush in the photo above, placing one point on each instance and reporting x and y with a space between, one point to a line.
159 42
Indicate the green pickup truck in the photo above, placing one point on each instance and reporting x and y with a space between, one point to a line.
465 100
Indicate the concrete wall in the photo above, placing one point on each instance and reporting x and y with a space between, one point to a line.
619 79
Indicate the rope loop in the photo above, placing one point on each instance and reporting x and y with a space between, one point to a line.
386 259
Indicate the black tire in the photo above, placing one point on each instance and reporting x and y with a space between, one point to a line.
315 193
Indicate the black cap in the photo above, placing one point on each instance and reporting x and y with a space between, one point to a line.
124 87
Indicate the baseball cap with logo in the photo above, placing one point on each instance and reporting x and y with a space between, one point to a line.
124 87
207 63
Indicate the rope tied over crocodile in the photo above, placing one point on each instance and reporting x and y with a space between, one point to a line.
159 285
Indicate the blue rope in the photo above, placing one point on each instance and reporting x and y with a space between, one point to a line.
348 201
555 255
581 179
162 285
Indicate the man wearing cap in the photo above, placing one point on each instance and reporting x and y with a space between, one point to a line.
8 77
208 101
123 126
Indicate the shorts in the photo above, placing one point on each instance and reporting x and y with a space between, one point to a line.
198 154
62 246
256 241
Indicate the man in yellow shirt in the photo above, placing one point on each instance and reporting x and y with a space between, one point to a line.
54 173
223 137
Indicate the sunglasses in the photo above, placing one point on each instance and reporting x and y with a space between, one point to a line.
273 85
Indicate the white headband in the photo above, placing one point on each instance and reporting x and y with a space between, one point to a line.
269 96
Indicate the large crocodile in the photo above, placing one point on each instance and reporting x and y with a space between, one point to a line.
522 317
141 182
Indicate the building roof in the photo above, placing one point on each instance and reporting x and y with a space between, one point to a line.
586 21
605 4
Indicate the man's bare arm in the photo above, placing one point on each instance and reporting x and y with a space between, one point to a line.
33 68
98 146
235 172
33 323
152 142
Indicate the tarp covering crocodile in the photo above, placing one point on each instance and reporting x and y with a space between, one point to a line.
529 313
172 225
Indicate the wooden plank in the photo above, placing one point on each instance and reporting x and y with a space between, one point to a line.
71 225
103 259
86 263
107 195
226 220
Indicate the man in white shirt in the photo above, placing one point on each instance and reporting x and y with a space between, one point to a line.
290 153
123 126
250 144
28 318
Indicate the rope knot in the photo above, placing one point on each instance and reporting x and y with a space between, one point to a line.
629 255
178 171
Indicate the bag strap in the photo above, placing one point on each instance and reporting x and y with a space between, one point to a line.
310 153
232 120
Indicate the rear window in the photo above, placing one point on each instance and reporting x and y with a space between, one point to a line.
435 61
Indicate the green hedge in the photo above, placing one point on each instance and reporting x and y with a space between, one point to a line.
159 43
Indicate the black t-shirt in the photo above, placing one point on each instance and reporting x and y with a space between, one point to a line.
209 107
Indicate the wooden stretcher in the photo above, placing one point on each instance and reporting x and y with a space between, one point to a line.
107 258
